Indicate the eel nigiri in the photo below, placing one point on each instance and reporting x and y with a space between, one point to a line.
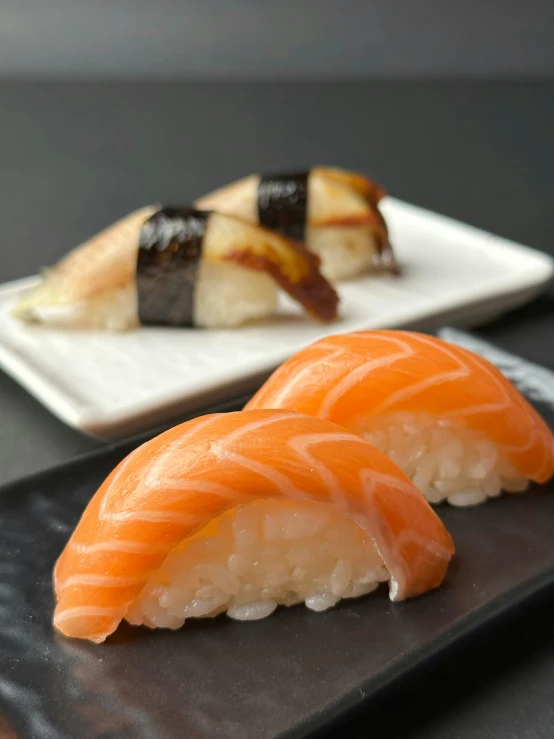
240 512
334 211
178 266
447 417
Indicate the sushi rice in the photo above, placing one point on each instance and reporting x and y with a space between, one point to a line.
344 251
258 556
444 461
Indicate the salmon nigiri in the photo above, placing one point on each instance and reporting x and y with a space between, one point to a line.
447 417
179 267
333 211
241 512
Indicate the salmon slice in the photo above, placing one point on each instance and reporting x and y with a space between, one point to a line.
173 486
356 379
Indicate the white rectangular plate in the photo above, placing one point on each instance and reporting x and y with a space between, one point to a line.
113 384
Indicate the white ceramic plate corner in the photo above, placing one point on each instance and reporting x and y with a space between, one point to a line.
114 384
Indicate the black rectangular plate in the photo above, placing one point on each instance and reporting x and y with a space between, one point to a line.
285 676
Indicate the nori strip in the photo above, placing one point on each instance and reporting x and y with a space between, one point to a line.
170 250
283 203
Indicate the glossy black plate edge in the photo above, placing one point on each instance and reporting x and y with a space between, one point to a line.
479 620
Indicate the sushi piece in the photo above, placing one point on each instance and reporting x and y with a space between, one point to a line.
333 211
240 512
178 267
449 419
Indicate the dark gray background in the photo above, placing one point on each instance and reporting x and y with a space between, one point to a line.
276 38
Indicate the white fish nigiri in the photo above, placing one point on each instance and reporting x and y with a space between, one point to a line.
236 276
335 211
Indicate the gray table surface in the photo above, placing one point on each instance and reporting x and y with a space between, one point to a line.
75 156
